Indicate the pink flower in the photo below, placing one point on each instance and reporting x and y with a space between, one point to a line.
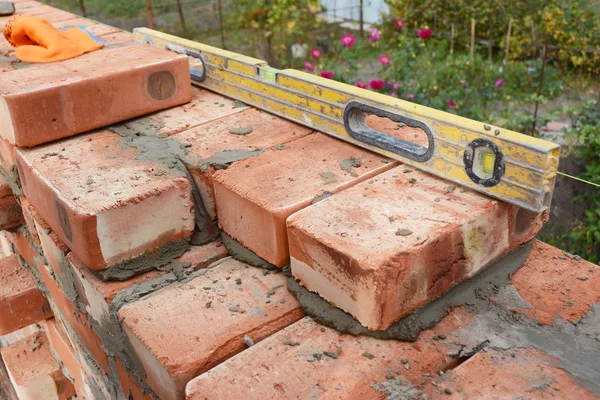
499 82
384 59
309 67
361 85
316 53
347 40
399 22
425 33
375 35
327 74
393 94
376 84
409 96
396 85
451 103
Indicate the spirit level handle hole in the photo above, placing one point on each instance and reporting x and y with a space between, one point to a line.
404 136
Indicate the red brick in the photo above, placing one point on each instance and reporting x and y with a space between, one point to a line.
7 156
174 347
92 26
10 211
263 191
28 215
212 139
205 106
100 88
276 369
65 309
7 392
512 374
95 382
21 302
15 336
34 372
6 245
98 295
103 202
66 353
117 38
5 66
53 16
22 245
22 5
557 285
385 247
129 384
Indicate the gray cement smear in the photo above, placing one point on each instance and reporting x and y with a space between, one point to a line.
576 346
399 389
577 353
150 260
241 253
12 178
469 293
144 135
205 229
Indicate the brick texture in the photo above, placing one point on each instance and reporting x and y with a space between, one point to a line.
307 360
383 248
106 205
231 299
10 211
21 302
512 374
558 286
213 144
101 88
34 372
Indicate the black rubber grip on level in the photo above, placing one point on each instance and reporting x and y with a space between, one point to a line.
356 126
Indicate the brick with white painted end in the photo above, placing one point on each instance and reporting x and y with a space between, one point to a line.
97 89
383 248
255 196
107 205
21 302
34 372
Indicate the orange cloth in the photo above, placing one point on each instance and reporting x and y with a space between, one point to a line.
37 41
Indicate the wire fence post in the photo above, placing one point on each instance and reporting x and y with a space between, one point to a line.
221 24
362 28
490 39
472 51
82 6
150 18
452 39
540 87
180 10
508 39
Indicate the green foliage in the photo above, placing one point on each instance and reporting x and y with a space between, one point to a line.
426 73
583 237
124 9
274 24
569 24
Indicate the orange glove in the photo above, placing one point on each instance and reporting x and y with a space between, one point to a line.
37 41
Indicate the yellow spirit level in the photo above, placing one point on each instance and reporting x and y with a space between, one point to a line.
507 165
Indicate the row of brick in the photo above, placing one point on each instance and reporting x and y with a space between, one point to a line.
305 358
